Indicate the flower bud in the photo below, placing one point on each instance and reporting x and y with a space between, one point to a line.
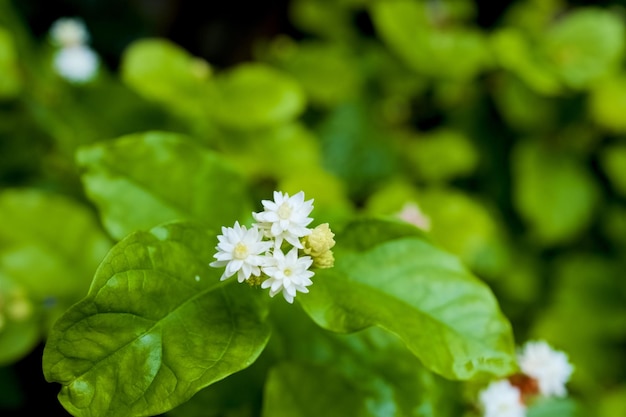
319 241
325 260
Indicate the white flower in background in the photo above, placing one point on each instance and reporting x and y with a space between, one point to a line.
78 63
68 31
501 399
288 274
285 218
549 367
240 249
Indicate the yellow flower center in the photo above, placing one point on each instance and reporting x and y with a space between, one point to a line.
241 251
288 272
284 211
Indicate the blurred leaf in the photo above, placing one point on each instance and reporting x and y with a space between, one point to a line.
49 244
585 45
441 155
613 160
553 192
324 18
432 48
20 327
155 328
254 96
10 81
613 403
607 98
356 148
586 283
326 71
162 71
274 152
300 390
141 180
466 227
516 53
522 107
387 275
553 407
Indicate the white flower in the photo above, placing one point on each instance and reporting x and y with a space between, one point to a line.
285 218
501 399
549 367
240 249
76 63
288 273
67 31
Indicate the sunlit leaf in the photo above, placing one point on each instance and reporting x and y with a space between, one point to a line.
164 72
156 327
254 96
141 180
386 275
585 45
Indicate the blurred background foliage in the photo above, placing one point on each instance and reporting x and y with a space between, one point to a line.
499 129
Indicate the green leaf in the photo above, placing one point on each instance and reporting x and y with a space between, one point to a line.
585 45
163 72
255 96
386 277
10 81
613 160
156 327
49 243
382 372
553 407
303 390
553 192
441 51
141 180
442 155
606 99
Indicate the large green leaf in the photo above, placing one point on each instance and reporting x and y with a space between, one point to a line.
387 275
156 327
141 180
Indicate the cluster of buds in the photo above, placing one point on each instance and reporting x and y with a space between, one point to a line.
278 250
543 373
74 60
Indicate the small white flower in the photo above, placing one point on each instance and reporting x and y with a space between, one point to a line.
501 399
285 218
549 367
67 31
240 249
288 273
411 213
76 63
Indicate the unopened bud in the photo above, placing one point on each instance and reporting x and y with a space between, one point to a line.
319 241
325 260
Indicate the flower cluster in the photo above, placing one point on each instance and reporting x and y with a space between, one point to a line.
543 372
268 253
74 60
